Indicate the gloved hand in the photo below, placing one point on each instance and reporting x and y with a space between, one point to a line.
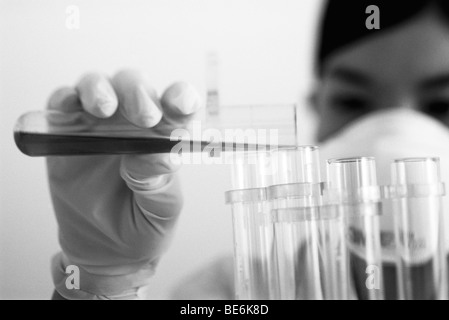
116 214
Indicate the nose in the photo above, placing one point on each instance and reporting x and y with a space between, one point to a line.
437 108
402 103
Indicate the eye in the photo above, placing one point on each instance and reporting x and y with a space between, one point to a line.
350 103
437 108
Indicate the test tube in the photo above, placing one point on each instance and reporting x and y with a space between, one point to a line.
296 165
308 235
251 169
296 241
254 251
235 127
417 191
352 186
334 266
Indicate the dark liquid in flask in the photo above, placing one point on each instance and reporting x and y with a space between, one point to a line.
34 144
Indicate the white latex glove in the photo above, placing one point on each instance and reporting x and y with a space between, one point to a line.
116 214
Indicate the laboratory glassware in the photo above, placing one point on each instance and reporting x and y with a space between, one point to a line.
352 186
254 246
308 235
416 191
247 127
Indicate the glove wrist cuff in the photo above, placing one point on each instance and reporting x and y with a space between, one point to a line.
90 286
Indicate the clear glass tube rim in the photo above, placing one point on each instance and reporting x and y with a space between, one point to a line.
349 160
417 159
417 171
352 173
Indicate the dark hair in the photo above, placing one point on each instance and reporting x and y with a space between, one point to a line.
343 21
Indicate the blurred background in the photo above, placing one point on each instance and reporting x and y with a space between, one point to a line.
265 50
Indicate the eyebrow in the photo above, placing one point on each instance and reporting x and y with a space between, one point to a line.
436 82
351 76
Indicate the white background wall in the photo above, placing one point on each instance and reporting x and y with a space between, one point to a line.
265 49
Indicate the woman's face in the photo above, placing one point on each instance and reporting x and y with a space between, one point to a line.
404 67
